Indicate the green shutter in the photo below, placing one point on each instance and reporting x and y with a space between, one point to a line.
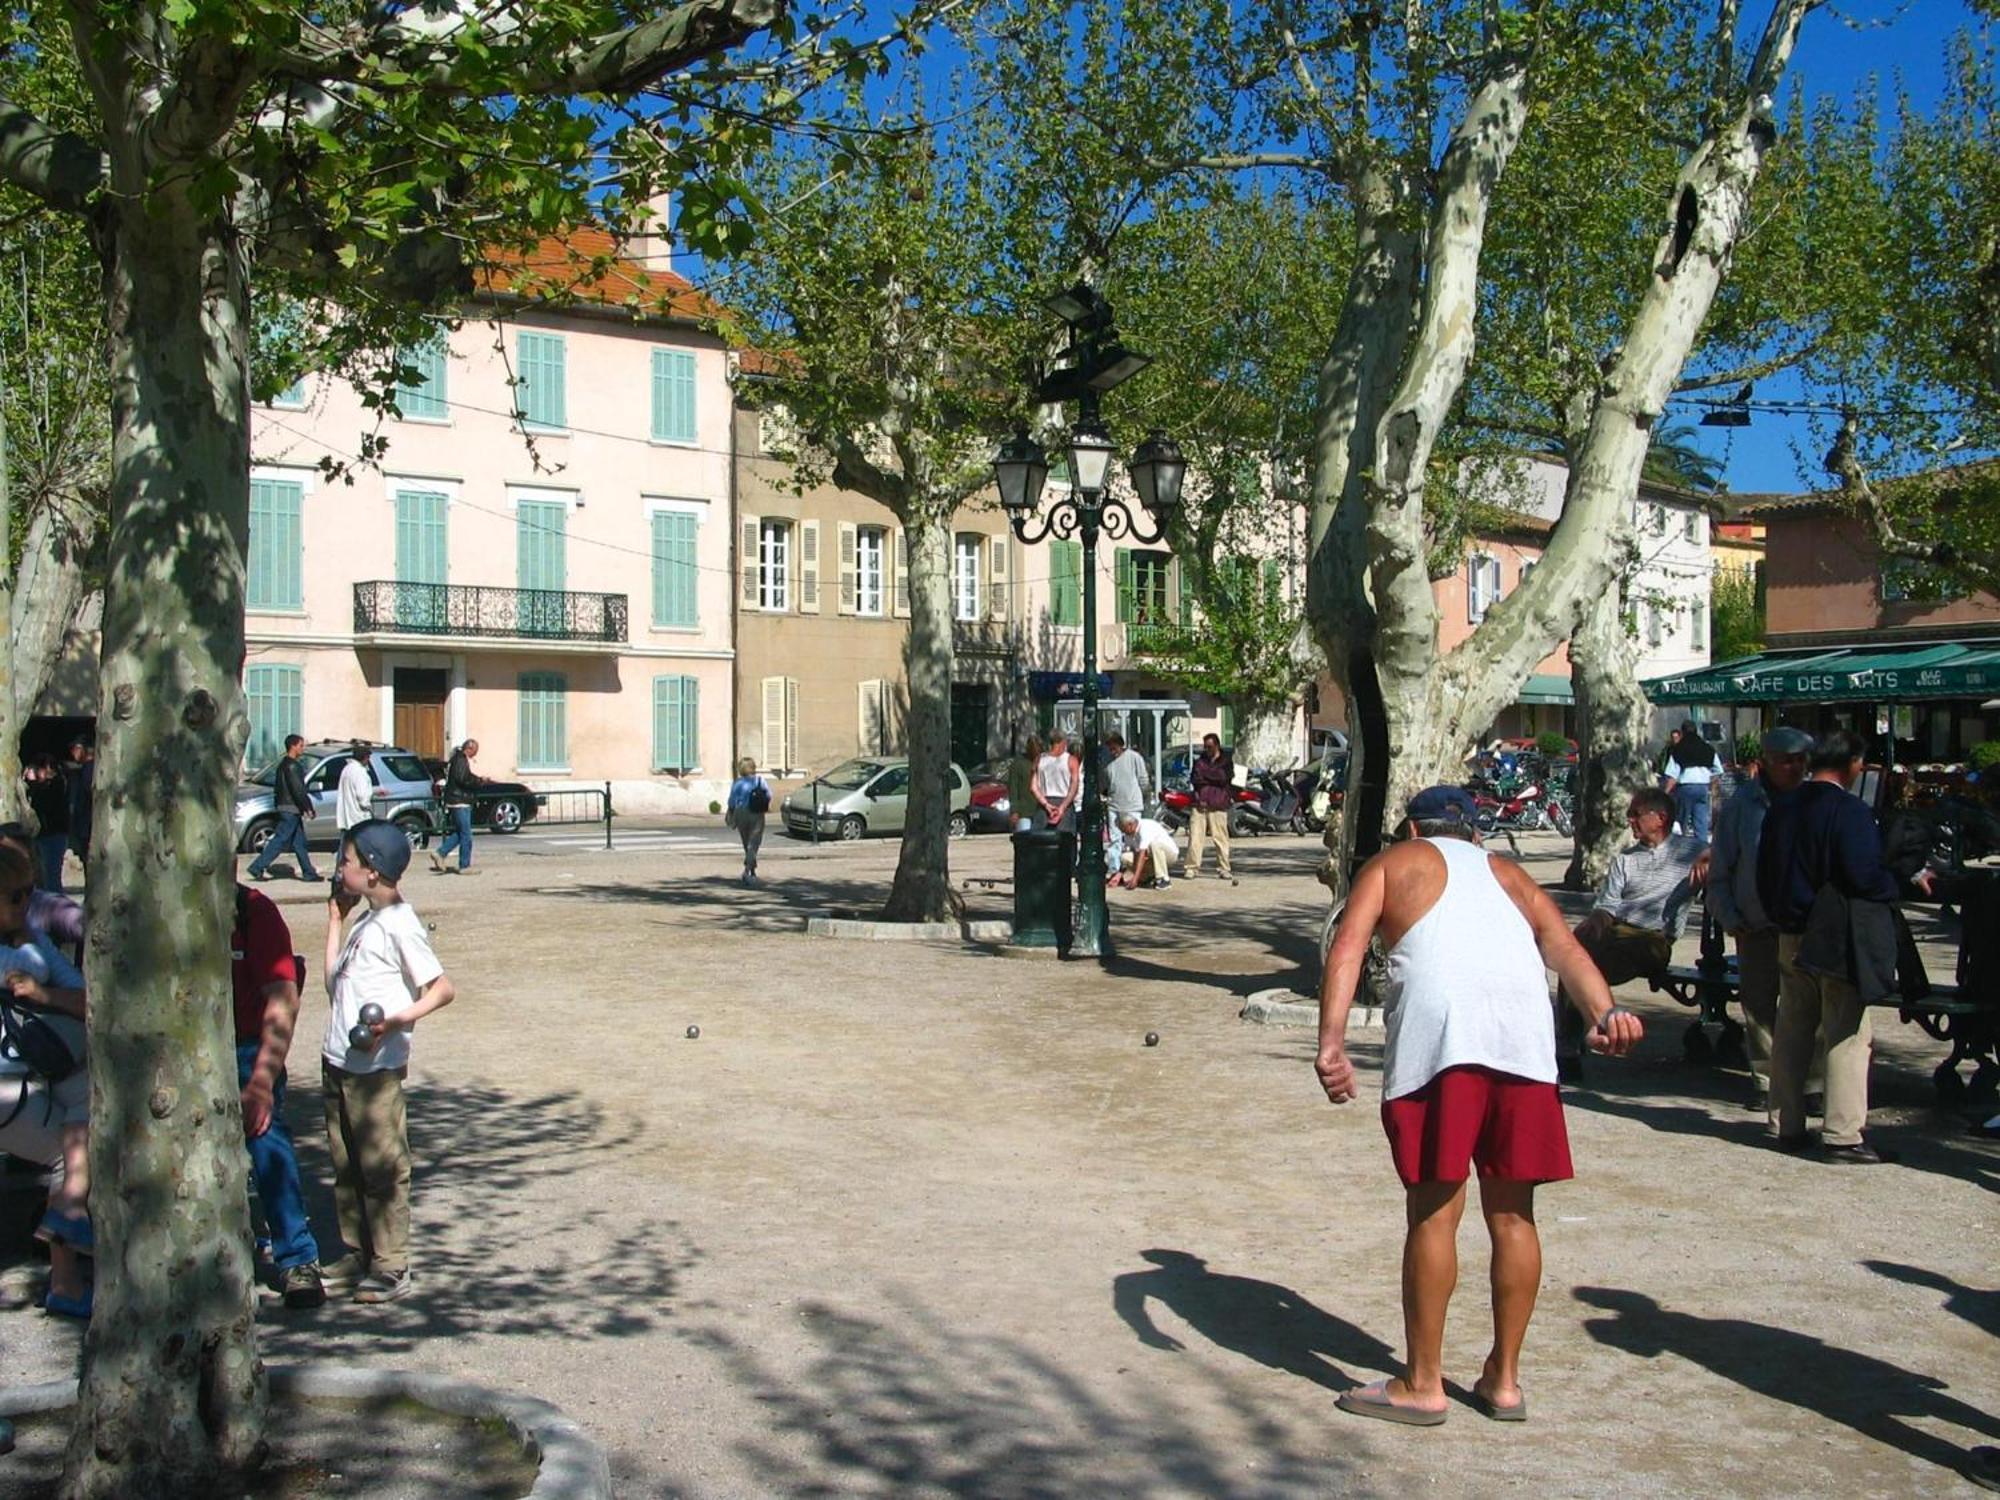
539 367
1066 582
275 564
426 399
1228 734
1127 592
540 527
544 722
673 396
421 559
676 724
674 570
272 696
1274 583
1186 589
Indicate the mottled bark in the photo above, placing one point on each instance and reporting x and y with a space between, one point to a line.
49 590
172 1393
922 889
1266 736
1613 714
13 797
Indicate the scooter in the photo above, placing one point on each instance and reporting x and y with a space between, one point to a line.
1267 804
1522 812
1176 807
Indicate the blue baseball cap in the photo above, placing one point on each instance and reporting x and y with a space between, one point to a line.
383 847
1443 804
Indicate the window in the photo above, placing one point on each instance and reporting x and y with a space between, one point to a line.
541 544
1066 583
1655 627
774 565
1691 527
276 561
424 399
1698 627
676 724
539 378
292 397
674 569
273 695
421 558
1527 567
1141 578
1482 585
544 741
1656 518
673 396
870 554
965 577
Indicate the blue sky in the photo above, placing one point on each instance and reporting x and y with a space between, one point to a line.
1842 47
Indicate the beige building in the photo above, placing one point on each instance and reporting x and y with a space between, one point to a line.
823 609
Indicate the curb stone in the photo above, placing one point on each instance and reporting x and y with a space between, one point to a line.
570 1465
1285 1008
862 929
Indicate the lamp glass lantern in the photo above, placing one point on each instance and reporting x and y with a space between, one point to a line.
1090 453
1020 468
1157 470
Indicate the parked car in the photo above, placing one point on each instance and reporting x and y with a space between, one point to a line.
869 794
502 806
402 794
991 809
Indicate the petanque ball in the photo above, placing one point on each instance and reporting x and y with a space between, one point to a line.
370 1013
1152 1039
693 1032
362 1037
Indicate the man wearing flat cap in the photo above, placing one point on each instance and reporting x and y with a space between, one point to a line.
1468 1078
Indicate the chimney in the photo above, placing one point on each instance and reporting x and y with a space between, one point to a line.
652 243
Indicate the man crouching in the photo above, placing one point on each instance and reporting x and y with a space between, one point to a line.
1468 1077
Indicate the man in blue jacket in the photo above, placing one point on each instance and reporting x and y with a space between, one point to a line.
1821 835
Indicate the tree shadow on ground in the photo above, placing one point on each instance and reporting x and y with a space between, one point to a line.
922 1407
1260 1320
1875 1398
1979 1308
775 905
490 1256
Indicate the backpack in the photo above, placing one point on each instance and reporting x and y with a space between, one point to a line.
760 798
27 1036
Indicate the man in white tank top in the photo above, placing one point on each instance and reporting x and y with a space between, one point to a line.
1468 1078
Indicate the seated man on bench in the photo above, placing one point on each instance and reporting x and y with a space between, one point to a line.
1639 911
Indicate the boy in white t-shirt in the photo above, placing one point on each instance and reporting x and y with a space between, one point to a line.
385 960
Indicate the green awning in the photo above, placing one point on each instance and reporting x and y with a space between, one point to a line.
1848 674
1545 687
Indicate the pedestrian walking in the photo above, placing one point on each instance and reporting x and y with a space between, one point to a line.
384 962
48 799
1732 891
1821 878
1689 779
1214 779
461 789
749 802
354 799
81 779
294 805
1468 1079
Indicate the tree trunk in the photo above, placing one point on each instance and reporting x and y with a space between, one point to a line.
49 589
1267 736
1613 714
172 1395
13 796
922 889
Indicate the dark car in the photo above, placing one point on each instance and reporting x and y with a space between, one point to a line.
502 806
991 810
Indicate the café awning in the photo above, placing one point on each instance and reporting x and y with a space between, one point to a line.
1847 674
1546 687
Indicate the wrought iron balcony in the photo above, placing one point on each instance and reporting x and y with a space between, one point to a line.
1157 640
385 607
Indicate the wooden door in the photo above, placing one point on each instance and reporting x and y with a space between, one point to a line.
420 697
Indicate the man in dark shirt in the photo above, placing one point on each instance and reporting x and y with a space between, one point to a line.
294 804
1821 835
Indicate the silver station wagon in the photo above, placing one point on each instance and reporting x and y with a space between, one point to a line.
869 794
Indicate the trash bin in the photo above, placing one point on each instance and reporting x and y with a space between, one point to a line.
1043 862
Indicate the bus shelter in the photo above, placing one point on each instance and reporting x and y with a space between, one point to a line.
1157 728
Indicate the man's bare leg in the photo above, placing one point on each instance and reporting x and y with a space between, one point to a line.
1430 1274
1509 1208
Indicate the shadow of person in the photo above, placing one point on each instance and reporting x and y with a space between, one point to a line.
1979 1308
1872 1396
1260 1320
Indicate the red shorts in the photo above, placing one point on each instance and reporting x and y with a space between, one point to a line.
1511 1127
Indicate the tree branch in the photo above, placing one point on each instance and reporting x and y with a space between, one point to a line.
61 169
200 105
1743 374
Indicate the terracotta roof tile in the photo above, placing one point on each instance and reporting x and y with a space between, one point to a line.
586 265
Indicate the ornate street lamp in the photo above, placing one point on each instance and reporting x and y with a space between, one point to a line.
1096 362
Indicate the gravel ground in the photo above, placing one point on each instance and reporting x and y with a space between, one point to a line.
915 1219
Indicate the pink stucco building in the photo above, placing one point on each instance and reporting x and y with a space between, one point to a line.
540 562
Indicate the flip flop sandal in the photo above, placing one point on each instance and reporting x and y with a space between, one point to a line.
72 1229
1373 1401
1493 1411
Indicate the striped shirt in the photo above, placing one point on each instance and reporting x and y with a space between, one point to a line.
1647 886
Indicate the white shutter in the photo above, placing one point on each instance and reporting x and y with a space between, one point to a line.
996 571
809 567
868 722
848 568
902 571
791 722
747 560
775 758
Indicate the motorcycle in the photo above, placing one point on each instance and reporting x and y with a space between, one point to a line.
1523 811
1267 803
1176 807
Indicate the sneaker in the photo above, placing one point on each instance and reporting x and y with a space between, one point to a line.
300 1286
385 1286
260 875
1860 1154
437 865
345 1274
